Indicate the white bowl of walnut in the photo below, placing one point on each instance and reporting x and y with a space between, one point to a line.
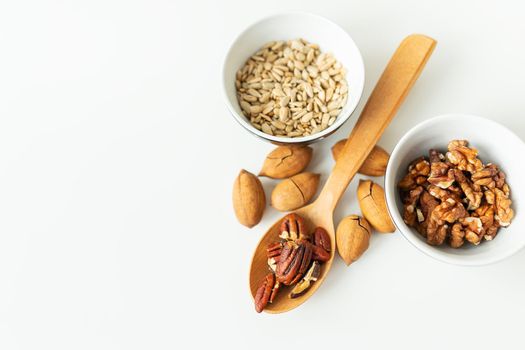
487 224
275 60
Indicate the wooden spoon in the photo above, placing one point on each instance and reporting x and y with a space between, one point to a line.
393 86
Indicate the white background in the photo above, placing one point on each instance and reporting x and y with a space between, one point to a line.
117 157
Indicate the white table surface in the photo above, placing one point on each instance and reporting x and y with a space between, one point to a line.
118 156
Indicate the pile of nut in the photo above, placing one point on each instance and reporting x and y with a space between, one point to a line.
295 260
298 187
353 232
290 88
295 190
455 197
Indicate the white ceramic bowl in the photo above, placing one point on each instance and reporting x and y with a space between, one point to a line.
496 144
328 35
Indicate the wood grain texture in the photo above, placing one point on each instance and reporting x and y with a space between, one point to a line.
393 86
399 76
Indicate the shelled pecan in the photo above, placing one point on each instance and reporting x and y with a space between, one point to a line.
266 292
295 260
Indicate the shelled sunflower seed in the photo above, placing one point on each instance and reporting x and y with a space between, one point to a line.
290 88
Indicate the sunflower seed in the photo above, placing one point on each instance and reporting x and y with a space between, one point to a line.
278 124
307 117
308 89
246 107
284 101
283 114
256 109
290 88
249 98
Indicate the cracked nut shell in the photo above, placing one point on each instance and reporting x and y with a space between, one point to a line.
374 165
372 202
286 161
249 200
295 192
352 236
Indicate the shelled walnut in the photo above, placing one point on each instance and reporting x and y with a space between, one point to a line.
454 197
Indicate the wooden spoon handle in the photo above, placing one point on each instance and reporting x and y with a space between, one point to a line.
389 93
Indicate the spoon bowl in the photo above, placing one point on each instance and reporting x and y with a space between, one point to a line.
259 267
390 91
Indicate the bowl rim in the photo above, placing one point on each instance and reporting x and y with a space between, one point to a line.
407 232
302 139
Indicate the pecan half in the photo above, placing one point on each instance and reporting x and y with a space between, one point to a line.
320 254
288 262
264 292
293 262
274 249
305 262
275 290
322 239
292 227
273 252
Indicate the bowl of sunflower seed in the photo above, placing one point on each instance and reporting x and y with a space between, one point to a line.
293 78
